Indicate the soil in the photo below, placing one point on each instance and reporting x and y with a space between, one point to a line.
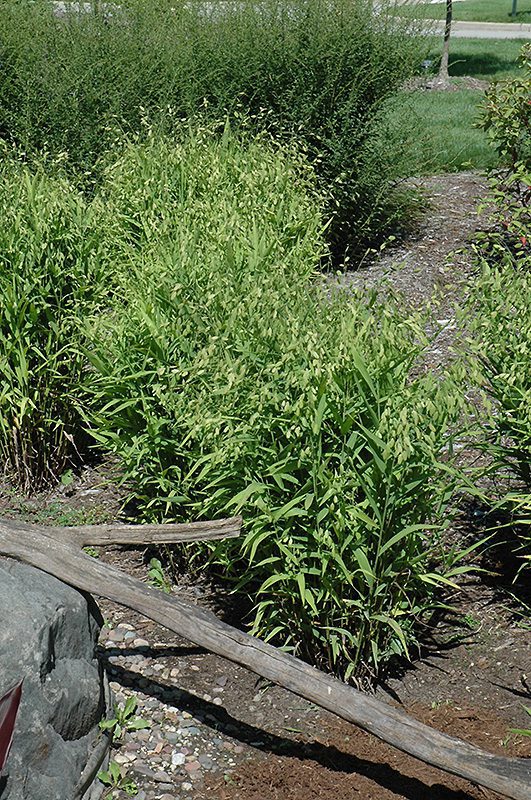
345 762
470 678
432 261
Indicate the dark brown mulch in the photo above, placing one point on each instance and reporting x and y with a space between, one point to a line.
345 762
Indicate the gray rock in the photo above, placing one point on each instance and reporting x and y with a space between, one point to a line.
48 638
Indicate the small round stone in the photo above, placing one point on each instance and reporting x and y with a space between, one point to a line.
116 635
162 777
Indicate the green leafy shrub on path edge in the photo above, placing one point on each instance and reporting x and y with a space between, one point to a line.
499 307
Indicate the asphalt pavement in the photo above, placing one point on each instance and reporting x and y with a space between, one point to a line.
485 30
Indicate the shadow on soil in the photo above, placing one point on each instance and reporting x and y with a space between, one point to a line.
328 756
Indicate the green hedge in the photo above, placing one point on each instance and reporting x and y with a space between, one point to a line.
317 71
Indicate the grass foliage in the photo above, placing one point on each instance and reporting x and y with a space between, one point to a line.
435 132
475 11
500 303
485 59
162 293
228 380
52 273
501 341
182 313
503 329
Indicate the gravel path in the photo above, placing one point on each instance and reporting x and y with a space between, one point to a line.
173 754
206 715
168 759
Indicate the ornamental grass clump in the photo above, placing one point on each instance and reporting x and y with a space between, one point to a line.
498 314
500 344
228 379
51 276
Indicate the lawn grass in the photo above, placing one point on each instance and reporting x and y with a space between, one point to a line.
475 11
485 59
436 129
438 133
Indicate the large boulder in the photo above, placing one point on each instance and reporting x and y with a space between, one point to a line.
48 635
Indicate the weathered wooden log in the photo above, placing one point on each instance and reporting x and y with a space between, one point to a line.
42 548
151 534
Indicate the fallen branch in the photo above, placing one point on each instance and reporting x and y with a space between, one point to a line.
44 549
151 534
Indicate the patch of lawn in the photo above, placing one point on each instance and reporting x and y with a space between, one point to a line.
475 11
436 129
437 132
485 59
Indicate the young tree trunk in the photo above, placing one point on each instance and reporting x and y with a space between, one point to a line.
443 68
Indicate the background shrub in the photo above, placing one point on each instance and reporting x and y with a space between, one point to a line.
317 70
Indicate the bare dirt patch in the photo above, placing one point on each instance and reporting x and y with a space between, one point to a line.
435 84
433 259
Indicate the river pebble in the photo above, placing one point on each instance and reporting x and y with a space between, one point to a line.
168 760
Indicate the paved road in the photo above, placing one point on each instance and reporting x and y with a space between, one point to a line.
485 30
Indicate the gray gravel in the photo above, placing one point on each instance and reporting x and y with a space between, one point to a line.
171 758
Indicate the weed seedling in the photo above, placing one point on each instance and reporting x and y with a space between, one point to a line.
471 622
116 778
157 578
523 731
92 551
124 720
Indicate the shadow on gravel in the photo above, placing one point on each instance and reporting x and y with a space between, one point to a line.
327 756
